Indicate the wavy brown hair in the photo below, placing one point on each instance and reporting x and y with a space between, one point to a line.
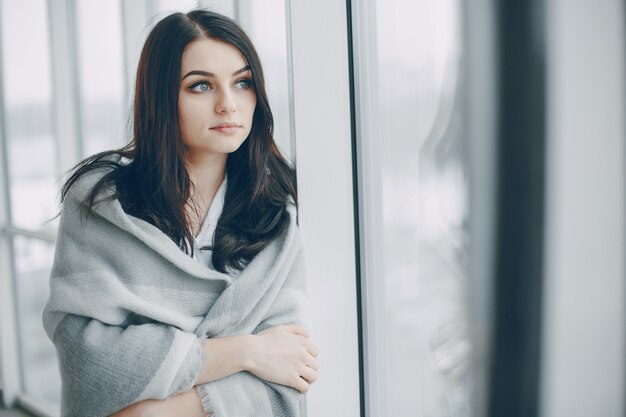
155 185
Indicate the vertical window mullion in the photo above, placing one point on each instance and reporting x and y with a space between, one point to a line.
518 273
369 202
10 375
10 372
480 42
66 119
292 116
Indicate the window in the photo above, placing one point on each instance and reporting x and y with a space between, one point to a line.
30 169
413 206
102 96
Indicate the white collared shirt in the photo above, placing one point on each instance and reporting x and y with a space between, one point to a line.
207 230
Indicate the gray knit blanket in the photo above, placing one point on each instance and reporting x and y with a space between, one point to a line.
128 310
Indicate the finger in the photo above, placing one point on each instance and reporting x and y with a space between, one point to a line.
459 372
309 375
448 359
297 329
301 385
313 350
313 364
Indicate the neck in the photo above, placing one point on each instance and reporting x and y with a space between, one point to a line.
206 173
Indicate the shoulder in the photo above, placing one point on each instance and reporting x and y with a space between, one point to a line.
293 227
89 176
292 209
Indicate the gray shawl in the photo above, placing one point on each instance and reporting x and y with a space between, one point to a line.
128 310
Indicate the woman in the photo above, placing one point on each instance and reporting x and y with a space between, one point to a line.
178 283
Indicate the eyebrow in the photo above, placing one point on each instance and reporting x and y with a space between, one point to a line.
210 74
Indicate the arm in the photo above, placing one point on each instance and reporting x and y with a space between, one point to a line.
222 356
283 354
231 352
274 355
106 368
244 392
89 350
283 363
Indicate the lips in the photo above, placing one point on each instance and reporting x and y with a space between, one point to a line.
227 128
225 125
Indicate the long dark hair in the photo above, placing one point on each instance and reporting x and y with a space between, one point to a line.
155 185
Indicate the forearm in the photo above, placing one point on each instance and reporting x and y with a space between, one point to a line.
268 356
186 404
224 356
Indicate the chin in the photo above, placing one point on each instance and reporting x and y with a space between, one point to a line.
229 147
232 147
216 145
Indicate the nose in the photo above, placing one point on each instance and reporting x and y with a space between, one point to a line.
225 103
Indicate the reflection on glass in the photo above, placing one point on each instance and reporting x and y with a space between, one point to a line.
27 97
33 261
101 75
424 205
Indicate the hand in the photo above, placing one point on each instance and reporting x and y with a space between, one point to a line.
285 355
450 347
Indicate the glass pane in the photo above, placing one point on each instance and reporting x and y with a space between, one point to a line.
33 261
265 23
424 208
225 7
165 7
101 74
28 91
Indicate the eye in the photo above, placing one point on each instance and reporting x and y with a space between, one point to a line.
200 87
244 84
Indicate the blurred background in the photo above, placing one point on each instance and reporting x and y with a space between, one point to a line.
461 183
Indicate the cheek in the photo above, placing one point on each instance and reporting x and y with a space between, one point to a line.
187 115
250 104
182 113
188 124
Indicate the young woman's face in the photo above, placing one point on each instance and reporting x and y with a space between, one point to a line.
216 99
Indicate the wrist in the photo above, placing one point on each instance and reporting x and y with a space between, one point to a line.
224 356
247 352
187 404
148 408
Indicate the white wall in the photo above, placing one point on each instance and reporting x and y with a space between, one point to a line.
321 100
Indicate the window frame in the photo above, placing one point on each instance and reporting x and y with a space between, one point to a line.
322 99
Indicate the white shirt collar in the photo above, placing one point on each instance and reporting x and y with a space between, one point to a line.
213 215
